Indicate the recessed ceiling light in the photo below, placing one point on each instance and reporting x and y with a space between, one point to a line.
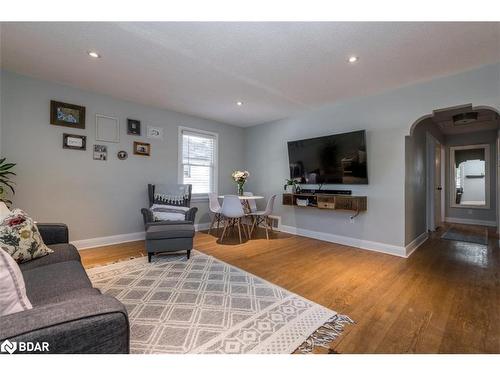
353 59
94 54
239 103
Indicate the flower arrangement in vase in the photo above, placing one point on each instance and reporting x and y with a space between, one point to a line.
240 177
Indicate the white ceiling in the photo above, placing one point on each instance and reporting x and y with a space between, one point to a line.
276 69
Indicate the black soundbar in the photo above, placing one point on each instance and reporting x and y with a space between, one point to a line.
324 191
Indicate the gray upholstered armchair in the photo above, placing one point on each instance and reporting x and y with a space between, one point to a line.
169 204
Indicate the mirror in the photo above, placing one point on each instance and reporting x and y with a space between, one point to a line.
470 176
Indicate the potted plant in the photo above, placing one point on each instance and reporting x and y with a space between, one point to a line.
5 181
240 177
290 185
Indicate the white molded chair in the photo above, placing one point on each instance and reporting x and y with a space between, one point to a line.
215 208
232 213
263 216
251 202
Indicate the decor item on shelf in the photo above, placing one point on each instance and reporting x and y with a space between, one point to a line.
5 179
122 155
74 142
100 152
302 202
290 186
240 177
141 148
154 132
107 129
64 114
133 127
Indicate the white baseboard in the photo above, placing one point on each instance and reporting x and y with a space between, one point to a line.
349 241
459 220
108 240
416 243
121 238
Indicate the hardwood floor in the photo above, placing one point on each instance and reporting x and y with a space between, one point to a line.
444 299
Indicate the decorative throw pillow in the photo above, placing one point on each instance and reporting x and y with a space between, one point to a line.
163 212
20 237
13 296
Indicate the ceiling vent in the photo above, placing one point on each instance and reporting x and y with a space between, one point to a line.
465 118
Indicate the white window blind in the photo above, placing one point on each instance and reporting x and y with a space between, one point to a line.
198 161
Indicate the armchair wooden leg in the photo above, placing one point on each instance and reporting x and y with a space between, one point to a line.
189 253
149 257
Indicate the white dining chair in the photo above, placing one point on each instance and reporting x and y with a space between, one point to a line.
251 202
215 208
260 217
232 213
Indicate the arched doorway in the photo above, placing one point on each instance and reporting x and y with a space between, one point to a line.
435 193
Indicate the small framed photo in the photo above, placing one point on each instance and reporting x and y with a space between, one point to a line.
154 132
74 142
100 152
141 148
133 127
107 129
65 114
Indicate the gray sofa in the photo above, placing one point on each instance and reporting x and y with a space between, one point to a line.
67 312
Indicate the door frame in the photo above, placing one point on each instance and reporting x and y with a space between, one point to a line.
431 143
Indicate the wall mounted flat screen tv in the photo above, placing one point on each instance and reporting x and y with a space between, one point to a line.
333 159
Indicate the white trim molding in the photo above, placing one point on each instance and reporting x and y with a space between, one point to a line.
121 238
416 243
380 247
459 220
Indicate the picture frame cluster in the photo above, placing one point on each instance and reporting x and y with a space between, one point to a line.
107 131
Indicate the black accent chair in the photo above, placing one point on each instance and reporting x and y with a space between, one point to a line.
169 235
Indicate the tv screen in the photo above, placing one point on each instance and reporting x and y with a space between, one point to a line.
333 159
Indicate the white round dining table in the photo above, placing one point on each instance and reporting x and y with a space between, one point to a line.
244 201
246 197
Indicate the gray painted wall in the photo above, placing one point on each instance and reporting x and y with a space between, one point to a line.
95 198
387 117
416 183
488 137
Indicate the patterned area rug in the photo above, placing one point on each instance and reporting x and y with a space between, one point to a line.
204 305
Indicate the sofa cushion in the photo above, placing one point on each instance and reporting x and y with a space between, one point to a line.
63 252
159 232
13 296
73 294
20 237
47 282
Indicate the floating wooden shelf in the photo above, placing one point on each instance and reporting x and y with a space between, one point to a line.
327 201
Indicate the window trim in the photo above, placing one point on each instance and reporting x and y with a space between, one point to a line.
487 173
180 171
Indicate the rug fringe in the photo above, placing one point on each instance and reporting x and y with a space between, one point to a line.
325 334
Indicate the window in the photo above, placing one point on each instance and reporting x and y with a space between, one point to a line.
198 160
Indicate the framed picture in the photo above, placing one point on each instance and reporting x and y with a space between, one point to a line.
74 142
100 152
133 127
64 114
141 148
122 155
154 132
107 129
